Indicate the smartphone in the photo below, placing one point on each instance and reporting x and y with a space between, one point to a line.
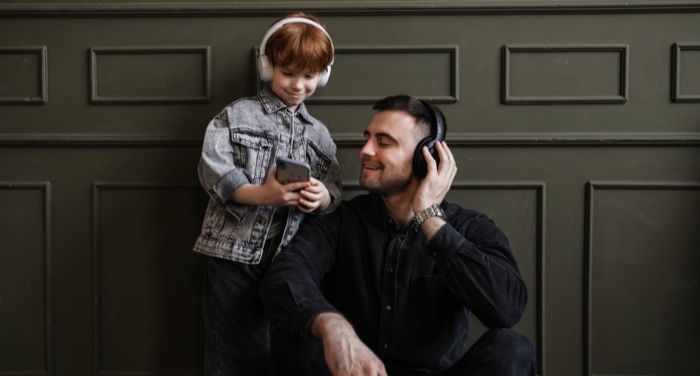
290 171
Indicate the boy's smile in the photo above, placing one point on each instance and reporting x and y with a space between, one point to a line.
293 86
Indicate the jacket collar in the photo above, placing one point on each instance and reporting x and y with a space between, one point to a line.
272 103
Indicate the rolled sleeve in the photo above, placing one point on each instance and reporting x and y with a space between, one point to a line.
218 174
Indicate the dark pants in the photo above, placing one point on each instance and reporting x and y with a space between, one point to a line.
499 352
236 325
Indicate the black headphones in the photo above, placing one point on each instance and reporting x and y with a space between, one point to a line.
437 133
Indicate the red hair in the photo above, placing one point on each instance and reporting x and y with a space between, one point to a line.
300 46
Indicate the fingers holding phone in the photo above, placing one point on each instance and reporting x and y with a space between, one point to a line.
313 197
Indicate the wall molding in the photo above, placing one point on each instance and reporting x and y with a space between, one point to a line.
451 50
43 75
97 187
356 139
591 187
205 51
360 7
676 75
508 98
49 340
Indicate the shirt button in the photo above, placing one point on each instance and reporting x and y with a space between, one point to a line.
388 308
386 345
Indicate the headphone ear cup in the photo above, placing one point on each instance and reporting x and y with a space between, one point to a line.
264 68
420 167
324 76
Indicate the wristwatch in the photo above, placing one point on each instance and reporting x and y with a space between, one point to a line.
433 210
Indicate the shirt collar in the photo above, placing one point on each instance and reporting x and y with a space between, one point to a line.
381 215
272 103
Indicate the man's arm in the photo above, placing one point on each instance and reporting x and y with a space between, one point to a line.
343 350
291 293
477 262
291 286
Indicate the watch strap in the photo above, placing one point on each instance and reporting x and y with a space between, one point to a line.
433 210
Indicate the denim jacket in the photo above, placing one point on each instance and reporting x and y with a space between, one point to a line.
240 146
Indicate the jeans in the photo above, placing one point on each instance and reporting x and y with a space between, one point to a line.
236 325
499 352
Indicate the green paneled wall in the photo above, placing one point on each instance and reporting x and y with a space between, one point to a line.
576 125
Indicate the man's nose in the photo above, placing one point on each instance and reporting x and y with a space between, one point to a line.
367 149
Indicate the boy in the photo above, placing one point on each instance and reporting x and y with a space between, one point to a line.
251 215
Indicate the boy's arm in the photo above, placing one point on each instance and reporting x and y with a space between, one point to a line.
218 174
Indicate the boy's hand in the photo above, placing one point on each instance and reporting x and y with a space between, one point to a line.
314 196
272 192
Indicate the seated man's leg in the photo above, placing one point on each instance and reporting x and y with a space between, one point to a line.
500 352
293 355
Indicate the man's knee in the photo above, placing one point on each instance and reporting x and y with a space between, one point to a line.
510 342
506 352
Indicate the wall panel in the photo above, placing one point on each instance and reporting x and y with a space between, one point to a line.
144 289
596 101
642 261
26 310
23 75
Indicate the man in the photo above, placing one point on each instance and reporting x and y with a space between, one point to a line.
385 284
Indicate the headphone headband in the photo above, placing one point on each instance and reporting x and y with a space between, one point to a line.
279 24
265 69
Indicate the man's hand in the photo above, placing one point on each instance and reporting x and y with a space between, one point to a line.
345 353
314 196
434 187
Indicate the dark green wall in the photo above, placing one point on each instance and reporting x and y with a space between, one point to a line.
576 125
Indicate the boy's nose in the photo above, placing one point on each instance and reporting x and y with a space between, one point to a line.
298 83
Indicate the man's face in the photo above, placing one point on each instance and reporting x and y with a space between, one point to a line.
292 85
388 153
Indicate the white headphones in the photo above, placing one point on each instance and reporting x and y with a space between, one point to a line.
265 68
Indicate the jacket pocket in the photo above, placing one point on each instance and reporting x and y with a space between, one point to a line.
318 160
251 151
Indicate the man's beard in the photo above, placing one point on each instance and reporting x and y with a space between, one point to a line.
390 188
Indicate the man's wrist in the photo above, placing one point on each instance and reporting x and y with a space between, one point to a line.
431 211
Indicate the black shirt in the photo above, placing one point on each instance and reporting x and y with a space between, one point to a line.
408 299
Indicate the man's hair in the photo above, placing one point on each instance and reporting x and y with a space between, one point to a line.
414 107
300 46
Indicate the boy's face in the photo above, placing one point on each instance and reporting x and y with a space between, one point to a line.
293 86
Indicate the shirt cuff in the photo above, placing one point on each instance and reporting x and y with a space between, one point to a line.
446 241
224 192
